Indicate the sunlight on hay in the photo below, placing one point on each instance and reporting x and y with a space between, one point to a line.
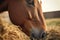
8 31
53 28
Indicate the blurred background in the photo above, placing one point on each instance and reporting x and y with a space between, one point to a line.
51 8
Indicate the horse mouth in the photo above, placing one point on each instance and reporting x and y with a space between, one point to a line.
37 35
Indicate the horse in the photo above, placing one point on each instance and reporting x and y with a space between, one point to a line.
28 15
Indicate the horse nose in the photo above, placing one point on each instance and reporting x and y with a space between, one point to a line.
43 34
36 34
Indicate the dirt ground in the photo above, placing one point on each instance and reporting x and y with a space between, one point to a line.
9 31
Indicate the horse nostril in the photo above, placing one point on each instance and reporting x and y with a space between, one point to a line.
43 35
37 34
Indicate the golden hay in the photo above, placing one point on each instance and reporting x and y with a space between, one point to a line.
8 31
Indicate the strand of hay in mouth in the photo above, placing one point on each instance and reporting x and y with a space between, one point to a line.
8 31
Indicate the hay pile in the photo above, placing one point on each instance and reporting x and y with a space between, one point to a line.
53 35
53 29
8 31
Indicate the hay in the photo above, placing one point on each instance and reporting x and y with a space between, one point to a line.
9 31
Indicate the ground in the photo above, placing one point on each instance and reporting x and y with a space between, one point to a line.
9 31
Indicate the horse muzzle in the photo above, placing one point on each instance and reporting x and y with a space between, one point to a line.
38 34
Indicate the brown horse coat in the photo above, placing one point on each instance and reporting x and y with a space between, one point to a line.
27 14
